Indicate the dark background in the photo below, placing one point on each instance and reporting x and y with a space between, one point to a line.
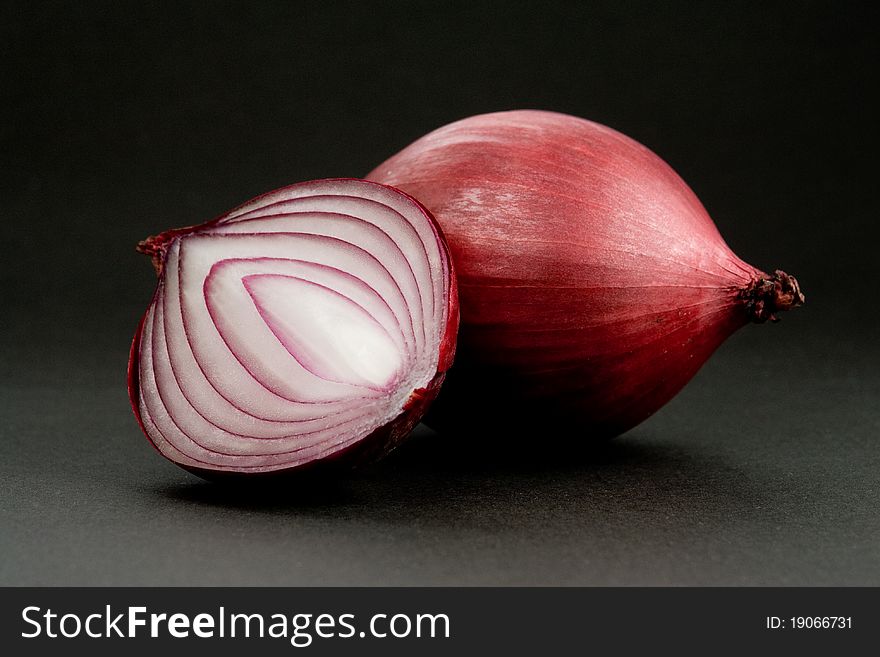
119 120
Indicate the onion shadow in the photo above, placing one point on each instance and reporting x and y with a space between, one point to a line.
433 481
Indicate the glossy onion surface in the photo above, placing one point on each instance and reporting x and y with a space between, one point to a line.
593 284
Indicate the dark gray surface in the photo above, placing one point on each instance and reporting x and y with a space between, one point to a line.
764 471
120 122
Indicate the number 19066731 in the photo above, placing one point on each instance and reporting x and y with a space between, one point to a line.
809 623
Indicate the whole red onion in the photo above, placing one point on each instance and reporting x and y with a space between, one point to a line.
593 284
311 323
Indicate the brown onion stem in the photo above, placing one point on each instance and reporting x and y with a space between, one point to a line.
156 246
767 296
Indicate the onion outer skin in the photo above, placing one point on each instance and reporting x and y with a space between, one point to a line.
593 284
380 441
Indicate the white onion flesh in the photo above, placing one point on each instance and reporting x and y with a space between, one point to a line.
292 327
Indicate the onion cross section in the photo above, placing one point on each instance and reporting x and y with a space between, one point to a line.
313 324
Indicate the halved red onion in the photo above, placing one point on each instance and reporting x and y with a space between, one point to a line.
312 322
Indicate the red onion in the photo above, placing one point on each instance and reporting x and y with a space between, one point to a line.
313 322
593 284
